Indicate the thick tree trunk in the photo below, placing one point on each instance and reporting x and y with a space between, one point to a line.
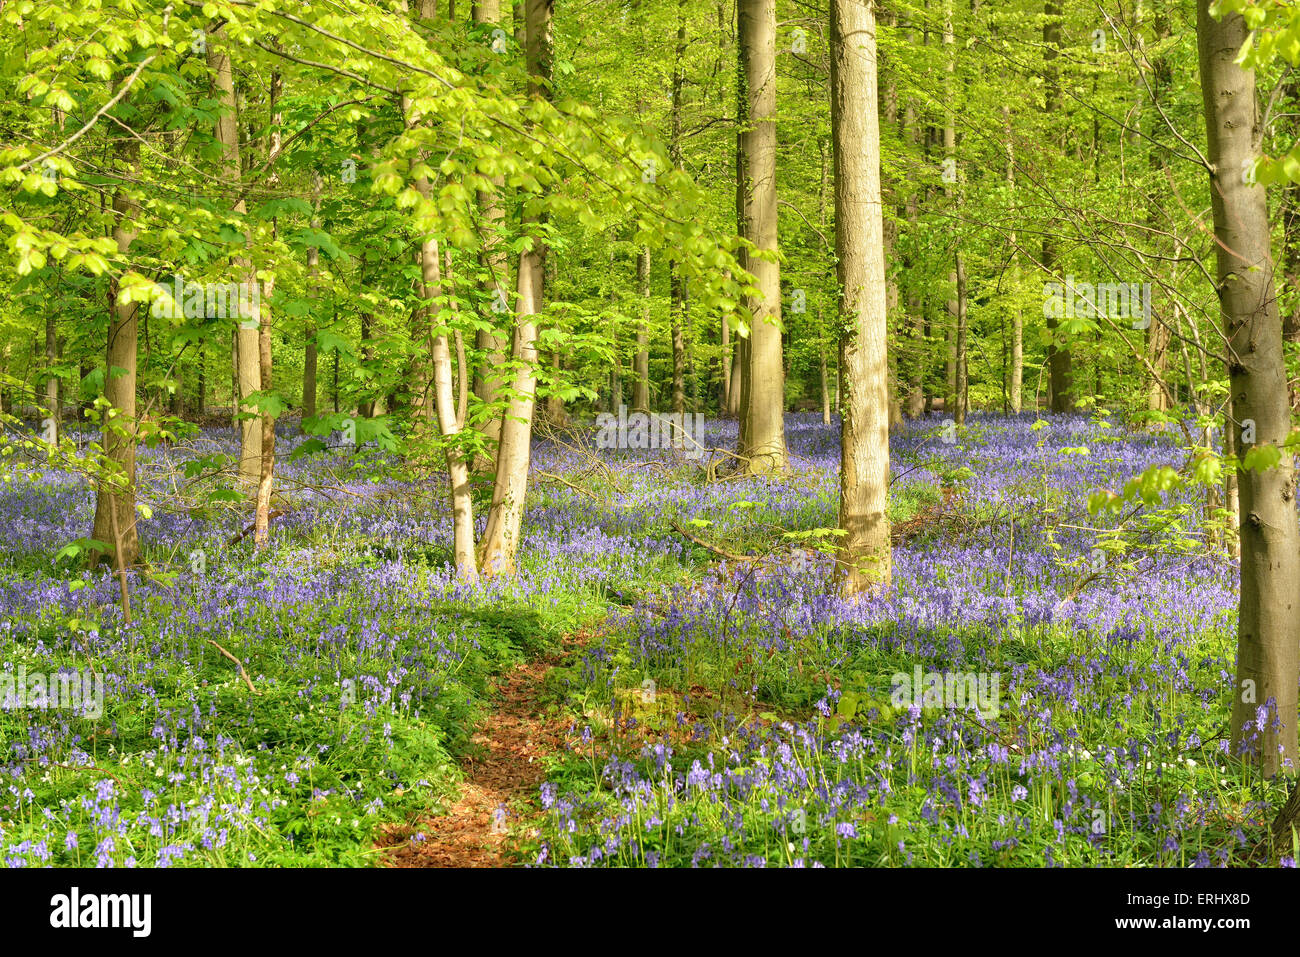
1268 634
864 556
763 413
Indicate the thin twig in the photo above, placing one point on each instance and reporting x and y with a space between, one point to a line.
238 664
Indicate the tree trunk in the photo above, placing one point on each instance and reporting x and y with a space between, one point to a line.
676 285
1157 332
266 470
505 520
115 493
764 401
434 362
489 380
914 359
641 361
826 390
962 379
724 366
864 555
53 405
1016 385
1061 376
1268 634
247 351
309 356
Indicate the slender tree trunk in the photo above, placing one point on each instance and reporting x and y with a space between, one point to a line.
1268 635
764 401
505 520
309 355
676 285
963 398
826 390
740 350
1157 332
616 368
914 359
864 556
954 402
200 399
247 350
641 361
489 380
434 361
266 470
1017 375
1060 374
115 492
724 366
52 403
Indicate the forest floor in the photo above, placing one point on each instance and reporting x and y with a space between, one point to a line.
632 697
502 772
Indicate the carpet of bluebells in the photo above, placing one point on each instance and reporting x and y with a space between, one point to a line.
719 712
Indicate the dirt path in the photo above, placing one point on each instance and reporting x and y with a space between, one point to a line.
474 830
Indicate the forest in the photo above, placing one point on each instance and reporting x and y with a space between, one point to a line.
649 434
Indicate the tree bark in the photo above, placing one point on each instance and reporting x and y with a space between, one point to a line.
676 285
309 360
489 380
1268 634
864 556
266 465
247 361
641 361
434 360
763 412
1060 374
1016 384
505 520
115 500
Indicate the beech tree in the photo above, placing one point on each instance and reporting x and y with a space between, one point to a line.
864 553
1268 630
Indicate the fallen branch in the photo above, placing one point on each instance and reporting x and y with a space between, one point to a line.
238 664
721 552
551 477
274 513
77 767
